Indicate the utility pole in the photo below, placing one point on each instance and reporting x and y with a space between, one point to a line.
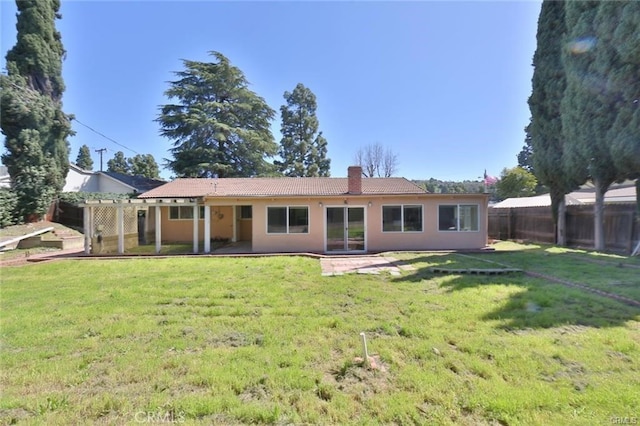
101 150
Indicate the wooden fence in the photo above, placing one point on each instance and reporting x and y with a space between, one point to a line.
67 214
622 231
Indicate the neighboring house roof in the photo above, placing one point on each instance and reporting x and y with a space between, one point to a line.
138 183
618 193
82 180
5 179
79 179
279 187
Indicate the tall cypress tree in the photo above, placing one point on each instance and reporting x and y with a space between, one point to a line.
545 129
624 32
589 105
303 149
31 108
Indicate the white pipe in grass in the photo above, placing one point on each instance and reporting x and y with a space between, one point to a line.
364 348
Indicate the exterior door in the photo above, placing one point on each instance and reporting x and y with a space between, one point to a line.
345 229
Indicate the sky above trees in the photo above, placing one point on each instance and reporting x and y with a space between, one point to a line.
444 84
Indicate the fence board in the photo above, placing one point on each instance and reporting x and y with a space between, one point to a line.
622 231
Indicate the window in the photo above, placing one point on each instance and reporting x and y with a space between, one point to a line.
459 217
298 220
391 218
184 212
245 212
401 218
287 220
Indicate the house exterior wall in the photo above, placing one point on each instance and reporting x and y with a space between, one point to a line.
430 238
81 181
181 230
86 181
313 241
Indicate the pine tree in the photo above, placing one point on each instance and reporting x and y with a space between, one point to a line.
118 164
32 104
545 130
303 149
217 124
144 165
84 160
589 106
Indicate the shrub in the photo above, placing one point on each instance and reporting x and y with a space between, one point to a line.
8 204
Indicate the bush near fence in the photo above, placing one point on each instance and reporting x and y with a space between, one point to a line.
535 224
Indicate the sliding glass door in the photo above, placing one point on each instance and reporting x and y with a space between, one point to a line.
345 229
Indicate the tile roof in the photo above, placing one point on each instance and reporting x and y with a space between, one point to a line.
279 187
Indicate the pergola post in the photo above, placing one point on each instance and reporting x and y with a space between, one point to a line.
158 228
195 228
234 237
120 221
207 229
87 216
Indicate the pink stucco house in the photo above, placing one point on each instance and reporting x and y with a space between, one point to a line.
319 215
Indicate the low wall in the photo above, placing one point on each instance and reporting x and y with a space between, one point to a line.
59 243
110 244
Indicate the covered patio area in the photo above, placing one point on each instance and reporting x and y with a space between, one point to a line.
119 225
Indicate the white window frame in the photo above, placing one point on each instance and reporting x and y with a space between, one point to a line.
288 231
457 216
200 212
402 207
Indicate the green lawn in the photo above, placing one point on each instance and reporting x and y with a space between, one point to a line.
269 340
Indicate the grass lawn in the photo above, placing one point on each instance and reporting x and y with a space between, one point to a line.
269 340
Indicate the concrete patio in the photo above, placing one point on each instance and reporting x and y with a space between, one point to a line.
362 265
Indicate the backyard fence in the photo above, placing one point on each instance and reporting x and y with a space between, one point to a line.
67 214
622 230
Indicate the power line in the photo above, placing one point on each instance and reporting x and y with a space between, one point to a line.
33 95
104 136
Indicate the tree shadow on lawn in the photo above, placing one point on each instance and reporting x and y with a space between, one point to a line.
541 304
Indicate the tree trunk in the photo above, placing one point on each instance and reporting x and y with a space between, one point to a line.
598 217
638 199
562 223
557 204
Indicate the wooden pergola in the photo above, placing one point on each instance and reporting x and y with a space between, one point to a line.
114 212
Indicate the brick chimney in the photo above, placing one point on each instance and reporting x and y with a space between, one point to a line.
355 179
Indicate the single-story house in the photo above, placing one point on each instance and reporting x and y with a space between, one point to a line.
306 214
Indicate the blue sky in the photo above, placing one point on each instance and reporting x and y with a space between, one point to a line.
443 84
